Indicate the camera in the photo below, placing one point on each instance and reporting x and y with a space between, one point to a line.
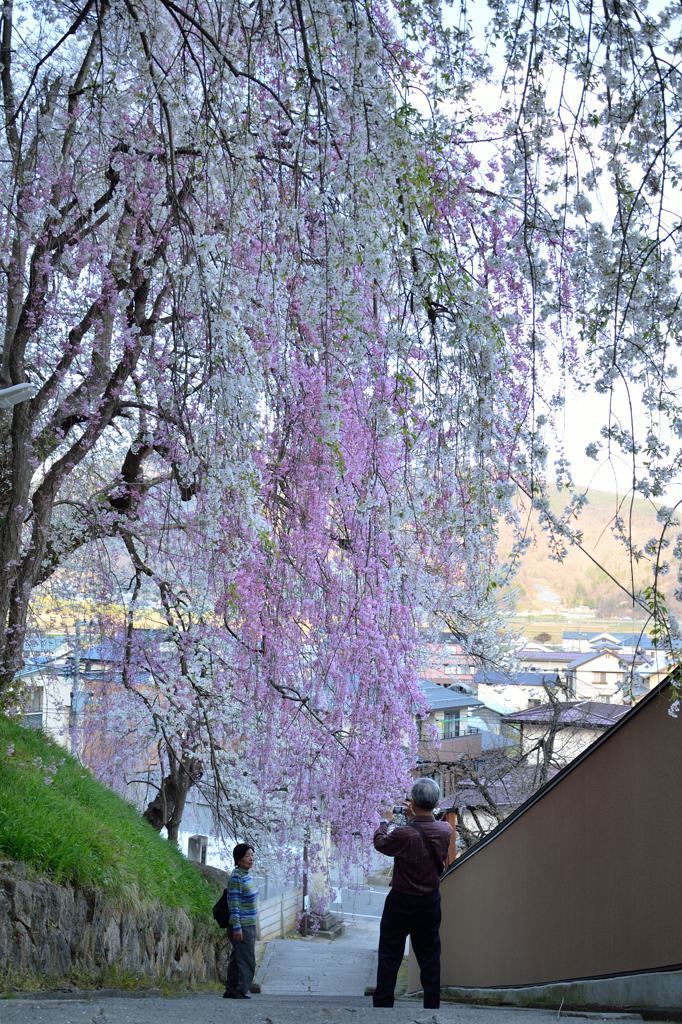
399 815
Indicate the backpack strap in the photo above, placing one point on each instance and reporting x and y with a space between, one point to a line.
430 847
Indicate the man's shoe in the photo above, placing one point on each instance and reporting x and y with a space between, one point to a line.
230 995
242 995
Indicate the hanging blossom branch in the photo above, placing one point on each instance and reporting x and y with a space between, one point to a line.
289 330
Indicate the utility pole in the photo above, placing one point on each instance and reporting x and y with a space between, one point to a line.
78 695
306 900
75 691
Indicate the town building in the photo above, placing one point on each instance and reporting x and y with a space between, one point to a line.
562 730
598 675
514 691
48 686
583 641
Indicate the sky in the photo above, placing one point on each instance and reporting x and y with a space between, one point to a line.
585 412
578 425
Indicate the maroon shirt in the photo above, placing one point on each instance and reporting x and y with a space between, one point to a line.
414 869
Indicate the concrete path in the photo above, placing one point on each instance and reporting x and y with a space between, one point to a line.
212 1009
326 967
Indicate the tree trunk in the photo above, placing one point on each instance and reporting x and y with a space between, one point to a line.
168 806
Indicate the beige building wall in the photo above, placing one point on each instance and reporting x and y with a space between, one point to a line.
56 704
511 696
601 679
568 741
586 880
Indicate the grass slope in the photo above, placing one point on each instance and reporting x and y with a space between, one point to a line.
75 830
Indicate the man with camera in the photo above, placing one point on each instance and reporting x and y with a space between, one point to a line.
412 907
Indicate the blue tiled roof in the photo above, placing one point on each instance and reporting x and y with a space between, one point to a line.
42 663
494 741
442 698
43 643
515 678
111 651
635 640
29 669
492 705
106 651
624 639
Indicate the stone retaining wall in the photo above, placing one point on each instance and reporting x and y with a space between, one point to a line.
59 932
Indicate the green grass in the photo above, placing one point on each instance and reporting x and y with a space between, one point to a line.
75 830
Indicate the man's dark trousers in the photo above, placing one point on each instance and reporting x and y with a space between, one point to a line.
418 917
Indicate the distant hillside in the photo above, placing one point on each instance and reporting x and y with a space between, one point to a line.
544 583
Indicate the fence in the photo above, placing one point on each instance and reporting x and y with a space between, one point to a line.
278 915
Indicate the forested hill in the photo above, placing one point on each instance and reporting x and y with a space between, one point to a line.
544 583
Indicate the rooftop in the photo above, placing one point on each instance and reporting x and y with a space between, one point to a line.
585 713
434 675
506 790
641 640
490 678
105 651
441 698
592 656
528 654
42 644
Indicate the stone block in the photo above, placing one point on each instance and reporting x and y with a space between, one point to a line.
110 945
131 952
23 899
22 959
214 875
57 961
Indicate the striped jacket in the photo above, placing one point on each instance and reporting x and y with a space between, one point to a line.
242 896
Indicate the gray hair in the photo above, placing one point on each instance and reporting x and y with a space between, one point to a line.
425 794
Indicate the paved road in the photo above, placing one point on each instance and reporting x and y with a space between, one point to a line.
363 902
295 967
327 967
211 1009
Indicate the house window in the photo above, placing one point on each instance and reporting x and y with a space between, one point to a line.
33 708
451 725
